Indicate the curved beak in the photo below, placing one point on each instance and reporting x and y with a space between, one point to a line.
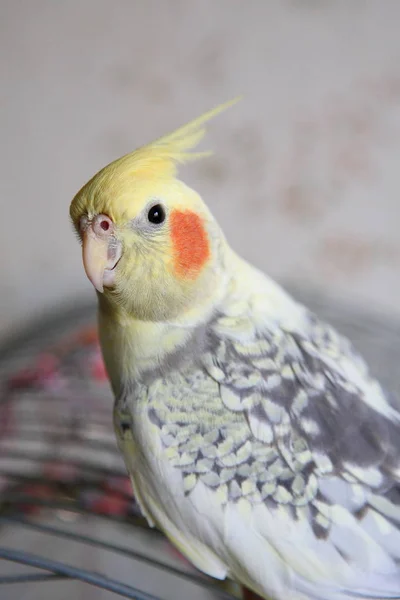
100 252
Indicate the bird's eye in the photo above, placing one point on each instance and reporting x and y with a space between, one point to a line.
156 214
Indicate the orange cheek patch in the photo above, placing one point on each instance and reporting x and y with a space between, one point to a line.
190 243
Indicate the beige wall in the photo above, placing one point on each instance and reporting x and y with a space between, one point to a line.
306 175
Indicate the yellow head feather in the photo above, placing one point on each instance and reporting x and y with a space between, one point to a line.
154 161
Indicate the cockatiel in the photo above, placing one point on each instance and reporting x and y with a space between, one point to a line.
254 435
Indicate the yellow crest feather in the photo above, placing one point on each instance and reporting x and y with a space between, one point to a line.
175 145
156 160
162 155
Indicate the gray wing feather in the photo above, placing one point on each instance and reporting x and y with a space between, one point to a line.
292 421
308 395
294 390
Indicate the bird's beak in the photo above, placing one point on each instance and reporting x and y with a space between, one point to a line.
100 252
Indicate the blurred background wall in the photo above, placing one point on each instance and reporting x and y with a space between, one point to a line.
305 179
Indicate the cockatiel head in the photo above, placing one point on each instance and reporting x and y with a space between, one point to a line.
150 245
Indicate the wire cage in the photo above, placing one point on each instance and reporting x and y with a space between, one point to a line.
67 513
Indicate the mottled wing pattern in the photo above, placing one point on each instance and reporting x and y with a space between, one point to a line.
291 421
334 433
311 395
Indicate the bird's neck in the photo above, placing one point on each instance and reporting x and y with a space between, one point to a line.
132 347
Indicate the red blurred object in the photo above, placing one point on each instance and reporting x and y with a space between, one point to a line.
182 558
45 369
40 491
59 471
87 336
111 504
115 497
98 369
122 485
